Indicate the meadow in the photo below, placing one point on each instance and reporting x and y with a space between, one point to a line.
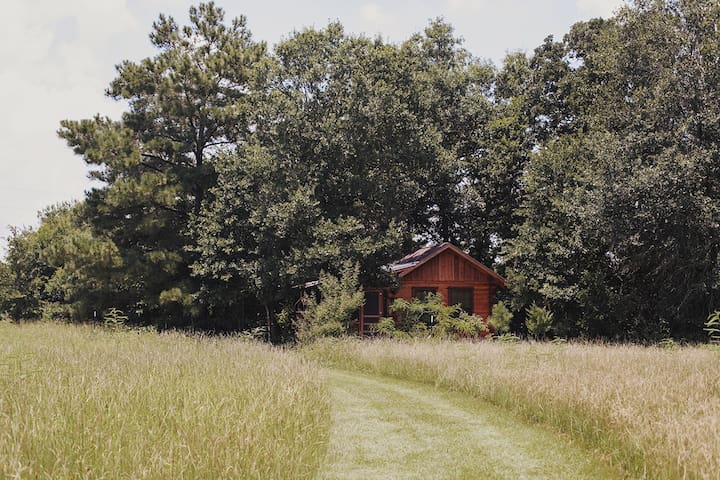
85 402
93 402
654 412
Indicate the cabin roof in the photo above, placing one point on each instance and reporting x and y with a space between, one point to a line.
414 260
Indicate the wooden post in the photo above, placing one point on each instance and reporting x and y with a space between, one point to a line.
361 325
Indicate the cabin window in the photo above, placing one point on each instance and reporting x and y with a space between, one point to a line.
461 296
421 293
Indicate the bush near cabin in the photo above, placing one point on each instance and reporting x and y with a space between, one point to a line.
430 316
334 313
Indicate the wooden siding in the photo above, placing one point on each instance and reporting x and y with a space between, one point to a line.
439 267
483 294
447 267
450 270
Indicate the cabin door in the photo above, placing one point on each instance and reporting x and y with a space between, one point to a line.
371 311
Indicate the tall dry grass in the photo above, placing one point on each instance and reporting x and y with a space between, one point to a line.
655 412
81 402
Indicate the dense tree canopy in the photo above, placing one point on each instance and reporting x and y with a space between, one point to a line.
156 164
587 172
619 231
61 269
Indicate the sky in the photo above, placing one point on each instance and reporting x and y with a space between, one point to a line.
57 59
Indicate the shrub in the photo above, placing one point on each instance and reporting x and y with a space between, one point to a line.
667 343
55 311
418 318
257 334
500 318
712 327
386 327
337 309
507 338
538 321
115 319
415 312
331 328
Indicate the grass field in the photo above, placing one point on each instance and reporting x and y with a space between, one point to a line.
82 402
386 428
654 412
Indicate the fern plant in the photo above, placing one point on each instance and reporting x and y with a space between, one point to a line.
115 319
712 327
539 321
334 314
500 318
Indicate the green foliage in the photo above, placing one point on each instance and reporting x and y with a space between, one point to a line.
8 292
586 171
26 276
712 327
418 318
336 311
386 328
325 328
176 296
668 343
59 271
115 319
237 174
539 321
500 318
252 239
415 312
380 129
507 338
618 217
157 164
464 326
419 330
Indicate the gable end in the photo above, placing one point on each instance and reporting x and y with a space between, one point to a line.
450 264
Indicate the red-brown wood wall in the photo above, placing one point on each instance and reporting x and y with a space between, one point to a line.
447 270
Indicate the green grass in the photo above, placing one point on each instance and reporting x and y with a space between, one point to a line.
653 412
82 402
385 428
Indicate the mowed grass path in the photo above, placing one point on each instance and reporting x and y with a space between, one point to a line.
655 412
391 429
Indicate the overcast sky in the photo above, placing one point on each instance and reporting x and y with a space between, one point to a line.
57 58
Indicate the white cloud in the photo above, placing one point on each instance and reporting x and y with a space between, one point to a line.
374 16
597 8
541 10
52 66
475 6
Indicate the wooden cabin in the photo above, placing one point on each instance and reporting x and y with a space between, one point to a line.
443 269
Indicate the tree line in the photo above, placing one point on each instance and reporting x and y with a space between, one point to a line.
585 172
